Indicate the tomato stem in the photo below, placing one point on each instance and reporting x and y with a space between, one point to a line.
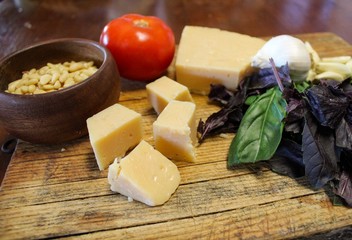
141 23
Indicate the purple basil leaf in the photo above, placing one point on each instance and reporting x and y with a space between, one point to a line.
219 93
218 122
319 154
296 109
294 127
329 83
291 150
349 114
343 135
344 189
224 121
265 78
328 105
227 119
347 87
288 159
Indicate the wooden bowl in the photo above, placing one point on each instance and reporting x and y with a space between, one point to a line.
61 115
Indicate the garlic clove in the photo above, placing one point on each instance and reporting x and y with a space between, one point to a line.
336 67
339 59
349 64
313 54
311 75
330 75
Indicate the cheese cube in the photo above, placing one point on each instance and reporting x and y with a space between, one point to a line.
175 132
213 56
144 175
112 132
163 90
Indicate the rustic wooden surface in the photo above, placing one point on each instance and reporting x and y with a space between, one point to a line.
26 22
58 191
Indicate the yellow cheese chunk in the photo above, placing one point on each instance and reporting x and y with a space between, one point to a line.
112 132
163 90
210 55
175 132
144 175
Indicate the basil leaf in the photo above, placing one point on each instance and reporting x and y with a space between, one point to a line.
344 189
328 104
260 131
251 99
230 115
343 134
319 156
301 86
220 94
288 159
265 78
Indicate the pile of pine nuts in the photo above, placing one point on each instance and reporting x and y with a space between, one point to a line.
52 77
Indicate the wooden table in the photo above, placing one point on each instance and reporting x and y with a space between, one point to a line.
58 191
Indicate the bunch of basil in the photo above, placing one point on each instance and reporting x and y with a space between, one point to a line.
299 129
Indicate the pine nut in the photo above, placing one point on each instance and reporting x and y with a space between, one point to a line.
31 88
45 79
52 77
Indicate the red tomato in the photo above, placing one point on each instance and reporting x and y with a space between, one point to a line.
142 46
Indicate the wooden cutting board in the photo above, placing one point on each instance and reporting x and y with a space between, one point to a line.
58 191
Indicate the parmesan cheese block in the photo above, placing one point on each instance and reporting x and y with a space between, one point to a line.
112 132
144 175
175 132
210 55
163 90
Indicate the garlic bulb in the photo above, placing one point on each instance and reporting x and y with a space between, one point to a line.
285 49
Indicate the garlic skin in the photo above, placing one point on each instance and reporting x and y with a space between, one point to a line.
285 49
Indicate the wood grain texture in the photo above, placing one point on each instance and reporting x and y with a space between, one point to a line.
23 22
58 191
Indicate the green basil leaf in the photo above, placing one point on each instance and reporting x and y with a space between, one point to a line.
251 99
260 130
301 86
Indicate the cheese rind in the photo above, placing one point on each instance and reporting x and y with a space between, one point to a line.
175 132
144 175
212 56
163 90
112 132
